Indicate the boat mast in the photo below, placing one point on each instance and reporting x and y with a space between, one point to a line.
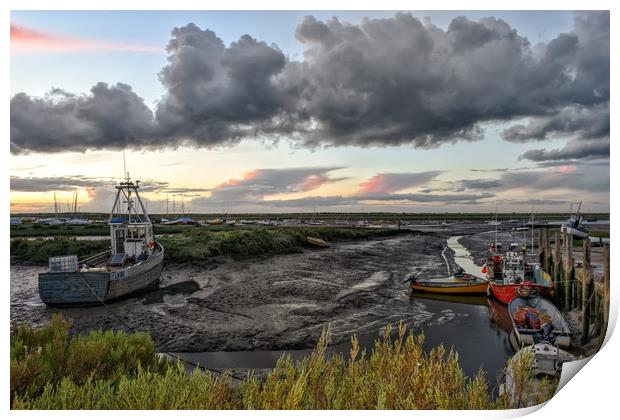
496 227
532 248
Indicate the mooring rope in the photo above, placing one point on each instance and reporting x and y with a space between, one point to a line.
133 330
583 312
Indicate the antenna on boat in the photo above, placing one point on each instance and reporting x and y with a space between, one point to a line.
496 224
125 173
532 248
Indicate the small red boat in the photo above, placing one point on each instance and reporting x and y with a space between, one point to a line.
510 275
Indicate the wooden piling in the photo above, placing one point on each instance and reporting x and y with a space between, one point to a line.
569 272
606 296
557 271
586 296
548 253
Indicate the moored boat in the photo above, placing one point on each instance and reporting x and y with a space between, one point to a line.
535 319
574 226
133 263
317 242
451 286
509 272
539 361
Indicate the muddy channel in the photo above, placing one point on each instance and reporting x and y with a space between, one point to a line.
242 314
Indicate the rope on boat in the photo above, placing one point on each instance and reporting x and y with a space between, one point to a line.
133 330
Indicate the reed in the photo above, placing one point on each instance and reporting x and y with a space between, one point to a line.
114 370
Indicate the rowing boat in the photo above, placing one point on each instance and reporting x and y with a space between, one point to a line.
451 286
317 242
535 319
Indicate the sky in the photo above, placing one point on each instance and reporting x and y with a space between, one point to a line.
312 111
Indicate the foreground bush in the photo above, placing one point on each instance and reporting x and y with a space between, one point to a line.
112 370
45 357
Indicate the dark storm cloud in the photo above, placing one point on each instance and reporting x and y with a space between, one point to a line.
579 122
380 83
574 149
218 94
397 80
109 117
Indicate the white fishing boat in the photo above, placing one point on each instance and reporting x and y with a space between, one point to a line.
133 263
574 226
539 361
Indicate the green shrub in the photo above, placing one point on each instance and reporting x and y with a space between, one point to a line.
39 250
44 357
113 370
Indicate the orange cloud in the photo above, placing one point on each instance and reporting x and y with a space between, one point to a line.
387 183
312 182
29 40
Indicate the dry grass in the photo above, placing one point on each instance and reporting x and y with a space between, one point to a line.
113 370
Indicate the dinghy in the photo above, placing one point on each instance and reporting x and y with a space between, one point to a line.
317 242
535 319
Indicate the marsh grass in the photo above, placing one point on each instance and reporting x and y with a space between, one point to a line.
114 370
39 250
197 245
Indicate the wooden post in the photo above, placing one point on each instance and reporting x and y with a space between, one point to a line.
569 272
606 289
557 271
548 255
541 249
586 287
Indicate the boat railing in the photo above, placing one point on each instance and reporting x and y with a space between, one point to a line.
93 259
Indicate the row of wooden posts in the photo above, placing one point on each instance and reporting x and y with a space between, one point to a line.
576 286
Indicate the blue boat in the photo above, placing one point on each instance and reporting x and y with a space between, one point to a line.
132 264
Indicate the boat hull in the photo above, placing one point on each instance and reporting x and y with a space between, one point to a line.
506 292
573 231
450 288
93 288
